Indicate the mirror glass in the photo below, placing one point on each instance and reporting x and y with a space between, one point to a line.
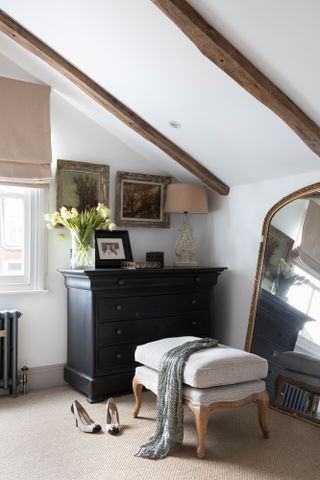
286 327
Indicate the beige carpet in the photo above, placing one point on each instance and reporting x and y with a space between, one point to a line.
39 440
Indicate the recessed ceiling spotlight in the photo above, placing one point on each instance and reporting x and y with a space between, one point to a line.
174 124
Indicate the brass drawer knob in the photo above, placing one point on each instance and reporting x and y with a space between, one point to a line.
119 307
119 331
121 282
193 302
119 356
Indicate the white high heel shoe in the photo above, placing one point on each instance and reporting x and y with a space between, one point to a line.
112 420
83 421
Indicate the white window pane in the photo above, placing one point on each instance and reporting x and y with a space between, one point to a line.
13 266
12 190
13 210
312 329
12 231
314 311
299 296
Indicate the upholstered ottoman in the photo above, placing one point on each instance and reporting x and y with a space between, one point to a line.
213 377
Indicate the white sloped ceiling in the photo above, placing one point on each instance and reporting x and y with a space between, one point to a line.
136 53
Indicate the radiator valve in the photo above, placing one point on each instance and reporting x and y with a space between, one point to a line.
24 379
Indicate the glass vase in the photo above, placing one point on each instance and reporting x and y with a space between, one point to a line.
281 287
82 250
282 291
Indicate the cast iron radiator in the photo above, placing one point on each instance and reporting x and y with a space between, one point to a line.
9 350
295 398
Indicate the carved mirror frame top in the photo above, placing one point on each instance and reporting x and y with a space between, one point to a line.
264 236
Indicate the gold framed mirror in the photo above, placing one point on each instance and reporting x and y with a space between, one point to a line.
284 322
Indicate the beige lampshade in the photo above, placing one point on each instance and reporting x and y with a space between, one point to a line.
186 197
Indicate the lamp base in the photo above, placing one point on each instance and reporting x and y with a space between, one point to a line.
190 263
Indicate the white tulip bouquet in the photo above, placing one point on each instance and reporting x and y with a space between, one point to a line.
82 225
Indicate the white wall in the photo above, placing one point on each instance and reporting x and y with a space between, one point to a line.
236 230
289 219
42 328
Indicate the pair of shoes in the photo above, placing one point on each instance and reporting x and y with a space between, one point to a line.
83 421
86 424
112 420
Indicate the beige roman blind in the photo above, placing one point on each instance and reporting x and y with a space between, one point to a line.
309 249
25 134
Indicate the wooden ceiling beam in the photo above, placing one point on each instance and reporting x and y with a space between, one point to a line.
29 41
221 52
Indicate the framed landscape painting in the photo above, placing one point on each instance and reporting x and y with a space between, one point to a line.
140 200
279 245
81 184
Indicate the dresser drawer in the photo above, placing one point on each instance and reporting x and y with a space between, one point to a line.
114 333
133 307
267 348
113 353
115 357
276 330
158 279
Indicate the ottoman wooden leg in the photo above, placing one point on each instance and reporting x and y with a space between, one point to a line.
201 416
137 390
262 403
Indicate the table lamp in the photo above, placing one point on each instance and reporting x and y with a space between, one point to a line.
186 198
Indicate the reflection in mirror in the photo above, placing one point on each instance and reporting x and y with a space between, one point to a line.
285 317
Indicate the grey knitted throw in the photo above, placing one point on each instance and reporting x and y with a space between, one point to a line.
169 429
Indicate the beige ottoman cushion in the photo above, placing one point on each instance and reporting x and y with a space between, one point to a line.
204 396
208 367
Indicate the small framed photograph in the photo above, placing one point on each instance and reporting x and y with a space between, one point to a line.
140 200
112 248
81 184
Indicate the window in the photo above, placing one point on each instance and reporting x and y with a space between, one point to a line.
306 298
21 238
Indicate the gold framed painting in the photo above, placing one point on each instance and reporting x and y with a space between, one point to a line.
81 184
140 200
279 246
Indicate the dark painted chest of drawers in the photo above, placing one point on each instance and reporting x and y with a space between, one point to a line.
111 311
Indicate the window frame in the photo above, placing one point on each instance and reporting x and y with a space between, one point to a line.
34 237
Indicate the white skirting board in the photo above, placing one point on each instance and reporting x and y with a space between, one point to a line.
44 377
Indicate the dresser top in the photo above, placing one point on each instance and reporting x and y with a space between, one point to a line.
98 272
144 278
